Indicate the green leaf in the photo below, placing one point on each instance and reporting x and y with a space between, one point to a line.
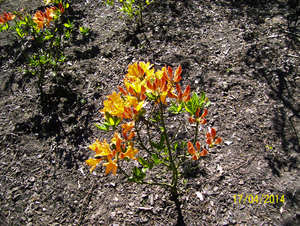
175 145
143 161
207 104
102 127
150 96
138 174
110 2
161 142
202 100
153 144
156 119
111 121
176 109
156 159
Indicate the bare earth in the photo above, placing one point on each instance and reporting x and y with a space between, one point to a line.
243 54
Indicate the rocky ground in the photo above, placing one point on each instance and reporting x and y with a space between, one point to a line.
243 54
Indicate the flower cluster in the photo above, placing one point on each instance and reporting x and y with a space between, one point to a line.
4 18
142 83
47 39
44 18
211 138
40 18
122 149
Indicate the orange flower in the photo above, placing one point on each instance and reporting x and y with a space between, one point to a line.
130 153
127 138
117 140
135 88
192 120
191 148
201 119
6 17
211 137
193 152
44 18
127 126
185 96
114 105
177 75
61 7
159 88
101 149
111 166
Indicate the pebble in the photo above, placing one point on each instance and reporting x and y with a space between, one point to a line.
241 182
226 222
215 189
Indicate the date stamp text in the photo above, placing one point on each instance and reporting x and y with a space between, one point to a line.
242 199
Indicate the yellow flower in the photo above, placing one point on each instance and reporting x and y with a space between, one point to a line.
130 153
111 166
138 70
117 141
101 149
114 105
131 101
159 88
93 163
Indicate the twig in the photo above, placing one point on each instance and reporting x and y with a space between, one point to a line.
290 33
87 200
290 55
10 163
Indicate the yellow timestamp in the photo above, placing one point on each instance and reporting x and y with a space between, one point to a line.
258 199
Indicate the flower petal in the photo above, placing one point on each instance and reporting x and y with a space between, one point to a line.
203 153
204 113
177 76
191 148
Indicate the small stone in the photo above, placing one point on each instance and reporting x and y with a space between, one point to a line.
144 195
23 219
113 214
241 182
200 196
31 179
226 222
151 199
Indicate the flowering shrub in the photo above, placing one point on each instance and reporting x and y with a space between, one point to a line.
132 8
139 107
46 32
